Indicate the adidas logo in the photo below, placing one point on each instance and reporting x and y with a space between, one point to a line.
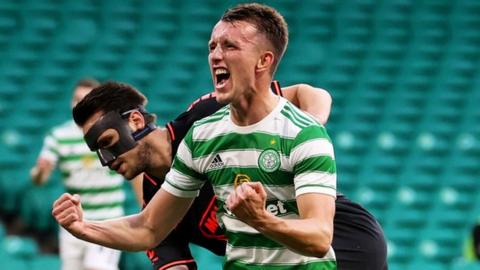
217 162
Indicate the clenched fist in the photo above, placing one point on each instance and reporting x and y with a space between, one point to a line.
247 202
68 212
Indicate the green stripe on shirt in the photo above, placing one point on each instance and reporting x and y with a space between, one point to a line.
316 164
323 265
232 141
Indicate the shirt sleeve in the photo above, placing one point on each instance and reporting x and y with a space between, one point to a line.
183 179
50 149
313 162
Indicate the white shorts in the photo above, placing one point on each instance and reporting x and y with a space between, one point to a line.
77 254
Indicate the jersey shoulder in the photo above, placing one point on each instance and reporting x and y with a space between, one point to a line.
199 109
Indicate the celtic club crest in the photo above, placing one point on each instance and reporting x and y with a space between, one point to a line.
269 160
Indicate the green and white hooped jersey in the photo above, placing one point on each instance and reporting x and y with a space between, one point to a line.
100 189
288 152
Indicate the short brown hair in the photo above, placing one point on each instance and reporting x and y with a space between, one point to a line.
267 21
110 96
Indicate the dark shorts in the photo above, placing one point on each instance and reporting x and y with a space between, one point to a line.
358 239
199 226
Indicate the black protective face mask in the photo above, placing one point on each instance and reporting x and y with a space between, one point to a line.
127 139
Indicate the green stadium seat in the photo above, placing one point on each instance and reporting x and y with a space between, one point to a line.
373 199
450 218
2 231
85 29
134 261
407 217
45 25
398 253
419 179
346 181
456 199
440 244
426 265
20 247
396 266
206 259
164 10
27 58
42 262
8 22
401 236
464 179
36 206
464 265
414 197
9 89
16 72
12 184
8 158
9 262
378 180
26 125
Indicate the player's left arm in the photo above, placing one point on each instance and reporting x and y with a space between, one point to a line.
310 235
315 101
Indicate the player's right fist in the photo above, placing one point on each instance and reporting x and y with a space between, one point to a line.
68 212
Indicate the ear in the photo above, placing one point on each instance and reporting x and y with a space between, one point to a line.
265 61
136 120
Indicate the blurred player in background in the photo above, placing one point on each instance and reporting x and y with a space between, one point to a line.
100 188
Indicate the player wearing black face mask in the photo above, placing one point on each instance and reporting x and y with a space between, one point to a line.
126 139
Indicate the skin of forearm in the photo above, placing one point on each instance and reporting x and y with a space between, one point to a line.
305 236
122 233
143 230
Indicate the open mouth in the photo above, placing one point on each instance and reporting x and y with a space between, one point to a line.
221 77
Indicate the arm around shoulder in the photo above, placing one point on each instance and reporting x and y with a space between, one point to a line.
315 101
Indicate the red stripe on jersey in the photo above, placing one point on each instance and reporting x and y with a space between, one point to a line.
150 179
170 130
206 96
276 88
166 266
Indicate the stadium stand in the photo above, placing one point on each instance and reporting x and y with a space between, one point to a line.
404 76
